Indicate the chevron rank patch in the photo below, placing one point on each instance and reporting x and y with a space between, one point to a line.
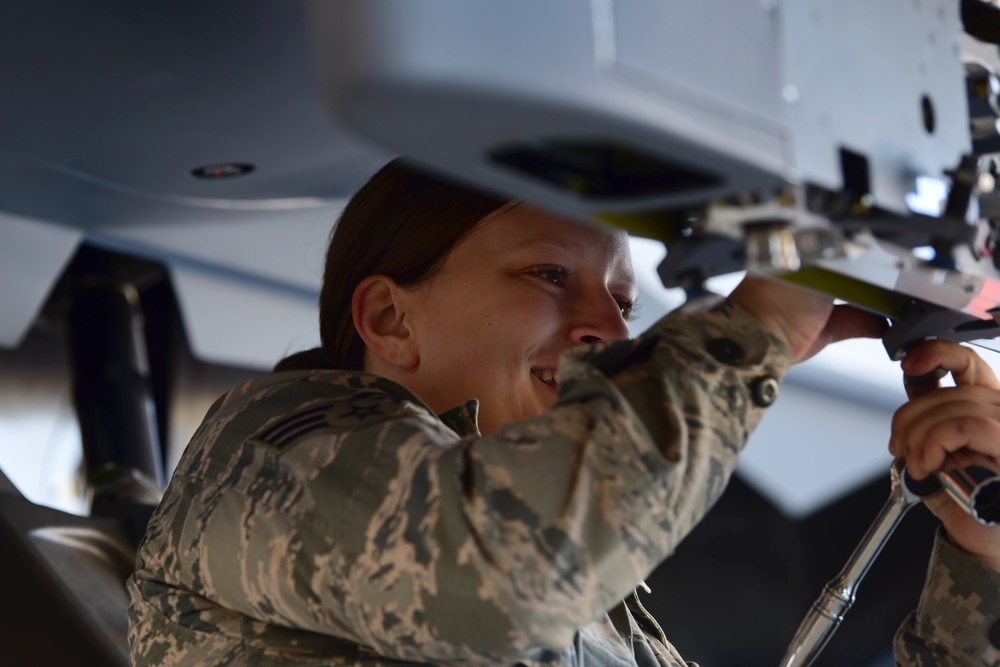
331 417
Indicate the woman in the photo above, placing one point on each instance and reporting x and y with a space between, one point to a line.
478 467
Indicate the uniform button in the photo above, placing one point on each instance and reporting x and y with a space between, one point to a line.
725 350
995 635
764 391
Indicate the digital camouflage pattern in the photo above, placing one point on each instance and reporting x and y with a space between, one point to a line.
958 610
329 518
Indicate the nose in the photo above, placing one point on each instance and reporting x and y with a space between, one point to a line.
599 320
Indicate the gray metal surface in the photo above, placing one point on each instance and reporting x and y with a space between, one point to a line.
749 92
108 108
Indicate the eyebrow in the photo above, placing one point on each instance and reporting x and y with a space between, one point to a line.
548 239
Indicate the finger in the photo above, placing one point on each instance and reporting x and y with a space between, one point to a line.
913 420
921 385
926 454
965 366
945 398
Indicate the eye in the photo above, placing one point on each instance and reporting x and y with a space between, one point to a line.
628 307
553 274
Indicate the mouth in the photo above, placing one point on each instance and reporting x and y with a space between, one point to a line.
546 376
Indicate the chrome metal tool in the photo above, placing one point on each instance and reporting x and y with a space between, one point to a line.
970 478
838 595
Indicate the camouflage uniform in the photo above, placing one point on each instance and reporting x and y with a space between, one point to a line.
329 517
957 621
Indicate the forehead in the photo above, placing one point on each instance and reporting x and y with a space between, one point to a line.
520 227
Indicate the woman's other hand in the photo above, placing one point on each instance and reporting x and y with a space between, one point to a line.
940 420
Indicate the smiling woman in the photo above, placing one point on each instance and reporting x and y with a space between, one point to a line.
528 284
478 467
522 288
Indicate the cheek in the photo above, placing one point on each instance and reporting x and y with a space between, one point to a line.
499 317
517 332
531 309
492 333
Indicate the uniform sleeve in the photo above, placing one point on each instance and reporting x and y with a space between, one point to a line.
490 549
957 621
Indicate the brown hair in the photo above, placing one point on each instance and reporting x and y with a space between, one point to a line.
402 223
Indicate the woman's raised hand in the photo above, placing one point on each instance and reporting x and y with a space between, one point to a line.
806 321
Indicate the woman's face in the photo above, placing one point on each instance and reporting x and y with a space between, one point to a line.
523 287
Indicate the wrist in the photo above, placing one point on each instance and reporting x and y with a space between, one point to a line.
768 315
991 561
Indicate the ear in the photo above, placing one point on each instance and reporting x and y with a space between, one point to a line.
378 310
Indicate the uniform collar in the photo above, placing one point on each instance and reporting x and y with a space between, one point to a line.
463 419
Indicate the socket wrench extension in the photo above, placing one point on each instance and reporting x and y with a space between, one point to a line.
972 479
